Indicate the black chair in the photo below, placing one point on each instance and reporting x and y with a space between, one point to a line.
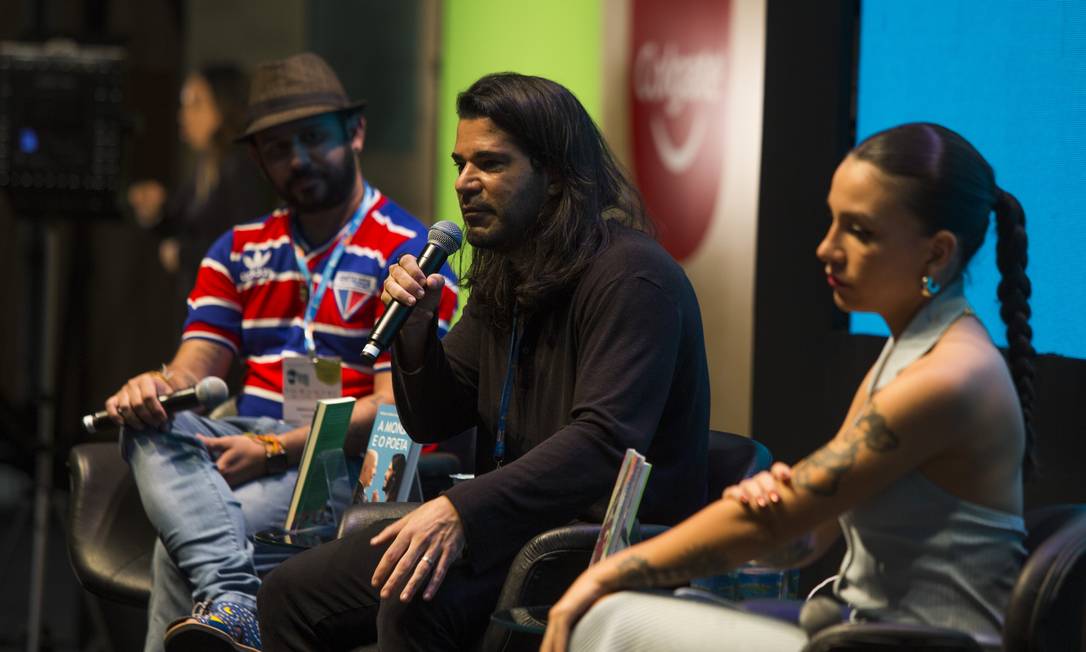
546 566
1045 612
110 540
358 517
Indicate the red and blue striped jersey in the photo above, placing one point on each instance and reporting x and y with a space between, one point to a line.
248 298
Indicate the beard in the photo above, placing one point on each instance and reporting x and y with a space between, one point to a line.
508 226
338 183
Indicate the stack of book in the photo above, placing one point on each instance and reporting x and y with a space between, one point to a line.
622 510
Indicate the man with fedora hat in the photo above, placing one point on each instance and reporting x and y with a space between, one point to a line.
293 294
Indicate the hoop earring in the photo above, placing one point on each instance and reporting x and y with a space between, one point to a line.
929 287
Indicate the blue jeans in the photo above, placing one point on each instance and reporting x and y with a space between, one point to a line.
205 551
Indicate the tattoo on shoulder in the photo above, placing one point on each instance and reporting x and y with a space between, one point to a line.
635 572
821 473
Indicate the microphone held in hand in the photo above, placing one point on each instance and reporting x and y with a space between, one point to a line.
207 393
443 241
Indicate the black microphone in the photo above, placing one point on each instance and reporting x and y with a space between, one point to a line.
207 393
442 241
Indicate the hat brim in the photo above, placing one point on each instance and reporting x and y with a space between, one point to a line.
290 115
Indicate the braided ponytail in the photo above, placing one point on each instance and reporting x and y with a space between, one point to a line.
1014 292
947 184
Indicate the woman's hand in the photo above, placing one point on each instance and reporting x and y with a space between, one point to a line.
169 254
761 490
568 610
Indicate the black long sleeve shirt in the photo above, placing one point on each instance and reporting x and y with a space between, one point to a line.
619 363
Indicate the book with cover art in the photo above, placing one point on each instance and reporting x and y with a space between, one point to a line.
622 510
311 503
391 461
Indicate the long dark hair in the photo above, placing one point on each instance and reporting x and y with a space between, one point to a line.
554 131
945 182
229 88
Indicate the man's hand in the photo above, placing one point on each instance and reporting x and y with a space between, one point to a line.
425 543
136 404
237 457
408 285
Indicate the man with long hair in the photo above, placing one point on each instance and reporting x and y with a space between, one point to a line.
581 338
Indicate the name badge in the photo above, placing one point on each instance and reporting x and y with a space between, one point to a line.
305 382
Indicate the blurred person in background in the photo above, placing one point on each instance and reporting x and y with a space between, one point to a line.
222 185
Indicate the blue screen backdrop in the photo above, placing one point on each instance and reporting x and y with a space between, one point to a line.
1010 76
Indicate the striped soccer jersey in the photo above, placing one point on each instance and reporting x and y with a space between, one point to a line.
248 298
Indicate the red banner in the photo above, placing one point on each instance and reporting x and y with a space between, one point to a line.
677 81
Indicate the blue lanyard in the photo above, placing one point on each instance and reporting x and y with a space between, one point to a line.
507 390
368 199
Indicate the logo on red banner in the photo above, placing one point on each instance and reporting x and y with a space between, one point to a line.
677 81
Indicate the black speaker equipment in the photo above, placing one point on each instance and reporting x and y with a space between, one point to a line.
61 128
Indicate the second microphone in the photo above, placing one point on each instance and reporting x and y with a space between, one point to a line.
443 240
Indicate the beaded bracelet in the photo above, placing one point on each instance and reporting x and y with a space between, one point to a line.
275 454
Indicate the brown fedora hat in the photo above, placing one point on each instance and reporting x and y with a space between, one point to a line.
290 89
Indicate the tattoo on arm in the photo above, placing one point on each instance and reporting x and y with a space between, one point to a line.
635 572
790 555
876 434
821 473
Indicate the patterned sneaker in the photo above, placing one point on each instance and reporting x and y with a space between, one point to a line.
221 625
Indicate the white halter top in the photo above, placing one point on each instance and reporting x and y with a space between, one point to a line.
917 553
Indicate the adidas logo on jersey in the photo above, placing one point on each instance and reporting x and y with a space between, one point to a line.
255 267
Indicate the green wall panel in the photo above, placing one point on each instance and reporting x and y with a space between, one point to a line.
557 39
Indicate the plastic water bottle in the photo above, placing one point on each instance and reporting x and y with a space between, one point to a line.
756 582
723 585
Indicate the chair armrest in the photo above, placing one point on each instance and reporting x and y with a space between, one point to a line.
543 570
643 531
891 636
359 517
546 566
110 540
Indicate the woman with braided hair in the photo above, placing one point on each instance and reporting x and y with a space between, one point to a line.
924 477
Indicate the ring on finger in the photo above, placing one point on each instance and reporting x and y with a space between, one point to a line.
427 559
